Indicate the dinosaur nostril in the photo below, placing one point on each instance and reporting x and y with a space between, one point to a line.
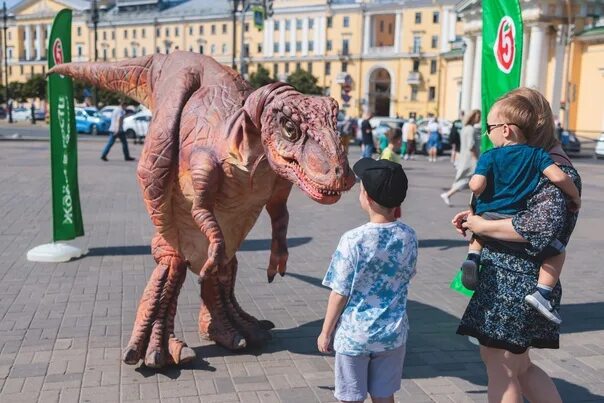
338 171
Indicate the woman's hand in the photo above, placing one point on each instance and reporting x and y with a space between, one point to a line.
575 205
459 220
473 223
323 343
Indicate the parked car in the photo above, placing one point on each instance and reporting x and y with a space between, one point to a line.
136 126
21 114
107 111
40 114
91 122
570 142
599 151
380 125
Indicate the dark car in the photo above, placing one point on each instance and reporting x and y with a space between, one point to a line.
570 142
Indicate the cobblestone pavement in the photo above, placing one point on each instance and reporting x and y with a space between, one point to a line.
63 326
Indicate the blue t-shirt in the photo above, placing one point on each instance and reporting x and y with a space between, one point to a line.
512 173
372 266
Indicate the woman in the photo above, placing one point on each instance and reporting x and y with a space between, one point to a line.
466 160
497 315
434 139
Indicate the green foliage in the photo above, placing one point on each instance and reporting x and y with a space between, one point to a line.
105 97
15 91
261 77
304 82
35 87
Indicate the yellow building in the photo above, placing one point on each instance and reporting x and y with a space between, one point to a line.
369 55
570 75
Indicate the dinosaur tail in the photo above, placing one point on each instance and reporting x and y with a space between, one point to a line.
133 78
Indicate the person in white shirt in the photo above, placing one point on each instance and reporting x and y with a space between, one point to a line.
117 130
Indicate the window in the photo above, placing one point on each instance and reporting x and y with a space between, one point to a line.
201 30
143 33
276 25
298 23
311 23
213 49
328 45
144 51
431 93
436 17
157 32
288 25
417 43
134 34
79 31
418 18
275 47
10 53
286 68
125 34
345 48
416 65
79 51
344 67
21 68
113 53
311 46
246 27
125 52
288 46
176 31
298 66
414 93
105 54
167 31
190 30
275 69
346 22
298 46
224 28
133 51
9 36
434 41
201 49
259 48
329 22
224 49
213 29
327 68
432 66
113 35
382 26
104 35
157 50
309 67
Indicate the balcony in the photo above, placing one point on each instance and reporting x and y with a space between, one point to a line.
415 51
344 55
414 78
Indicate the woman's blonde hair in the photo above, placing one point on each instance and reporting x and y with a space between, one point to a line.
529 110
472 118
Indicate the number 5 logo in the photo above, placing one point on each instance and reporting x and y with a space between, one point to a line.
505 44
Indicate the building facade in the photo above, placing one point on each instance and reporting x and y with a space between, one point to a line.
383 56
567 69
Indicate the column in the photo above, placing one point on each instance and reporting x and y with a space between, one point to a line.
466 80
323 34
271 37
476 102
536 58
397 33
292 37
39 42
282 37
366 33
444 30
265 40
27 42
305 37
317 38
559 70
525 50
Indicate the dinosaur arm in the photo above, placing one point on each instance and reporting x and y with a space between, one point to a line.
207 176
277 210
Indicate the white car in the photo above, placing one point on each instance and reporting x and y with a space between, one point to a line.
136 125
599 151
107 111
21 114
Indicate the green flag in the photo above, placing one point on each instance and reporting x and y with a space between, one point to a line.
501 53
66 213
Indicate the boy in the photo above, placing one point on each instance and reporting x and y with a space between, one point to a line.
504 178
369 275
395 140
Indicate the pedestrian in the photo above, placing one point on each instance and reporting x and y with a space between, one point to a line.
454 139
116 130
369 276
466 160
434 138
33 113
392 150
348 131
367 137
497 313
409 132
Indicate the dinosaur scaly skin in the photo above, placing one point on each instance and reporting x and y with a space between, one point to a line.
216 154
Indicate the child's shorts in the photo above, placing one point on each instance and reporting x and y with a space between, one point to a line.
377 373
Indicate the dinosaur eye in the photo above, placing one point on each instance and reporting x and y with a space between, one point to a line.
290 131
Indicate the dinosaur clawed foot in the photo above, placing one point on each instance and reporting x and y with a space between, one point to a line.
174 352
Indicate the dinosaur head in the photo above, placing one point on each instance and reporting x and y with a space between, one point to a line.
302 144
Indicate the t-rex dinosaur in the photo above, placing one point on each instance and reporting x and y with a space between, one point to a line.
217 152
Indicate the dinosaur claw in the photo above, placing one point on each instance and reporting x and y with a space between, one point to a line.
282 274
266 324
154 359
187 354
270 278
131 355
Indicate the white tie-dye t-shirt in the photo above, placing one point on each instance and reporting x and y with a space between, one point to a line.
373 265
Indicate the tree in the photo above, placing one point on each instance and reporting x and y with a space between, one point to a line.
304 82
261 77
35 87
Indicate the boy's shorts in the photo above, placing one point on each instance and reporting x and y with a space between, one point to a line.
377 373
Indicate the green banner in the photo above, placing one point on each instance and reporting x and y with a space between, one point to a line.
66 213
501 54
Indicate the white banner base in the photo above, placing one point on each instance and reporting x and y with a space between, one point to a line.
54 253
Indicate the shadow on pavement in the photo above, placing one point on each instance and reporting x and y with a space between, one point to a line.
443 244
578 318
575 393
174 372
247 245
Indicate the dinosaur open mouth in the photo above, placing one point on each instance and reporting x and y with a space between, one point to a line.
316 191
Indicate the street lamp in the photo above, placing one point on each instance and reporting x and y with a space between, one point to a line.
6 94
95 23
235 5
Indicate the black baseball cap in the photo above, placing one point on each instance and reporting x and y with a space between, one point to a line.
384 181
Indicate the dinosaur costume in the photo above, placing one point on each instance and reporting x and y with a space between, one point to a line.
217 152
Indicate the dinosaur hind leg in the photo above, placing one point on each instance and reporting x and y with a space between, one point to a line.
221 318
153 332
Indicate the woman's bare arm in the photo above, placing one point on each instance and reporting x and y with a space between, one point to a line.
496 229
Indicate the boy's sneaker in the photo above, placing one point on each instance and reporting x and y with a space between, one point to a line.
545 308
469 271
